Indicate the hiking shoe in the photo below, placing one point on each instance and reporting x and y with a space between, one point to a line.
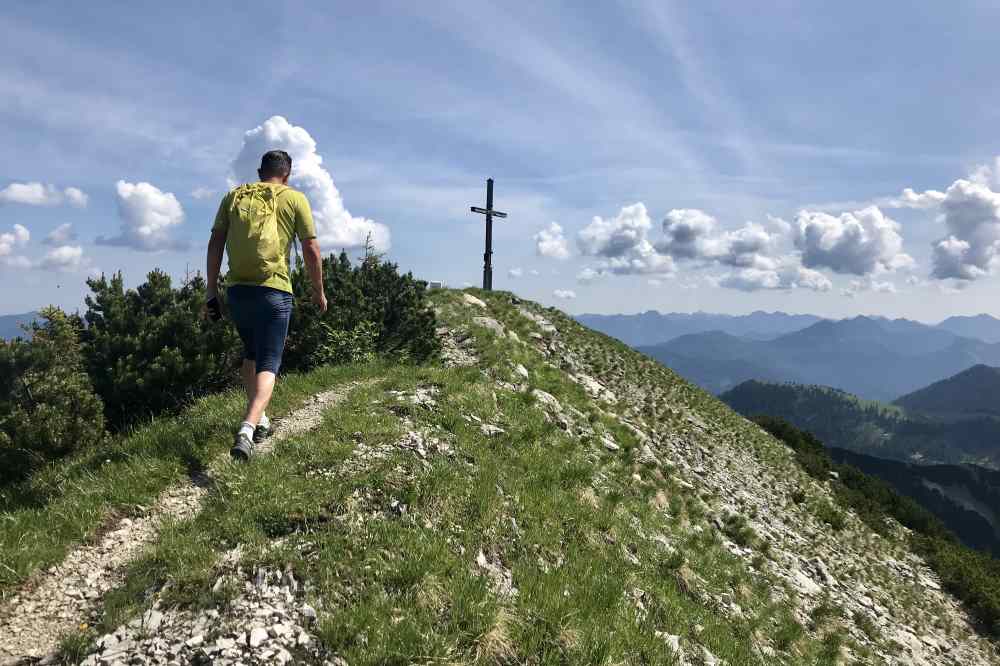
260 433
242 449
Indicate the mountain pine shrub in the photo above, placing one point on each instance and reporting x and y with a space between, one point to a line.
48 407
373 310
148 350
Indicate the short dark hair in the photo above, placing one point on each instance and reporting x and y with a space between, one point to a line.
275 164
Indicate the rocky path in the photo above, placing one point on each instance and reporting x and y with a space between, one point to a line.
58 600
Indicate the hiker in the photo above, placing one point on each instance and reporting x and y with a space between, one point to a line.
255 226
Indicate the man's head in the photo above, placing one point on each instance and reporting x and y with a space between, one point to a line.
275 165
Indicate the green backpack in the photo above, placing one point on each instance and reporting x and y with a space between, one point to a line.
253 241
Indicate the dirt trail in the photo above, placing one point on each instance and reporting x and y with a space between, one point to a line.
55 602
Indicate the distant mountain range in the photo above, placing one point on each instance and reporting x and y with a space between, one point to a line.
10 325
872 357
887 440
652 327
982 327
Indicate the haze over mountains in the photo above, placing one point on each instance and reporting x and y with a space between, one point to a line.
10 325
872 357
652 327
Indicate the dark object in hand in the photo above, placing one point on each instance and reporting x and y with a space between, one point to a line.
214 309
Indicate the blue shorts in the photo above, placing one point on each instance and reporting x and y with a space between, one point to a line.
261 316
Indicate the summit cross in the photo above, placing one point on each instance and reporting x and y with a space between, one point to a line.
490 214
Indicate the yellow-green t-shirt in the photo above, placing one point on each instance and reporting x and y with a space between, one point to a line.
294 219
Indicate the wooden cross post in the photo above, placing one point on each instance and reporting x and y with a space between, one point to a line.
490 214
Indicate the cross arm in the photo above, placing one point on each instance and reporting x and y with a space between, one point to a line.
485 211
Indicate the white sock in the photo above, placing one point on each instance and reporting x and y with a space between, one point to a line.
246 428
264 421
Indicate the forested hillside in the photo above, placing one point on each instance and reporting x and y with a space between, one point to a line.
845 421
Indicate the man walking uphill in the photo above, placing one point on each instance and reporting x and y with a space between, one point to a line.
255 226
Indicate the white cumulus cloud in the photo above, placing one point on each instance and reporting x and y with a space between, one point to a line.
911 199
564 294
618 236
515 273
335 226
692 234
61 235
867 284
12 239
688 232
588 275
622 245
38 194
790 276
551 243
63 258
859 243
76 197
148 217
969 209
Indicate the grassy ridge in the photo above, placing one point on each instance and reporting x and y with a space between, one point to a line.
69 500
572 523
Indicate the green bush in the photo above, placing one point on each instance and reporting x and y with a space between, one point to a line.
368 301
137 353
830 515
357 345
148 350
48 407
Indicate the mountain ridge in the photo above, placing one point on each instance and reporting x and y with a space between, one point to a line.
968 394
544 491
866 356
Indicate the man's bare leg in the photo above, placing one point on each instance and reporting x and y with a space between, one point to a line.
248 373
263 387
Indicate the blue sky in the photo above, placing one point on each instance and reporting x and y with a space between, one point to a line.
757 138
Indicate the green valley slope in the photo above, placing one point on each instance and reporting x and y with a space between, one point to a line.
546 495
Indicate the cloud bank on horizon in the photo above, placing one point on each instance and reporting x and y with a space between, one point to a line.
864 243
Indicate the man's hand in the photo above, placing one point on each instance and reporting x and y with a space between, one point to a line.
319 300
213 309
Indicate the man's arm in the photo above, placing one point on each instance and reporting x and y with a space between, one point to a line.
213 262
314 266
